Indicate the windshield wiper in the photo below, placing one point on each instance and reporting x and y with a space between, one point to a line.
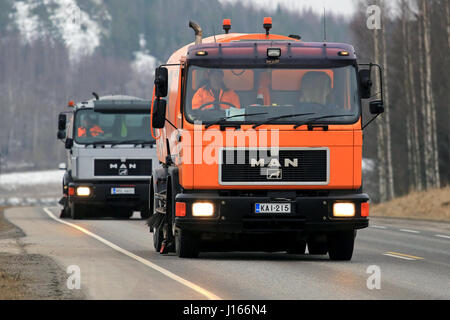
311 120
221 120
281 117
99 142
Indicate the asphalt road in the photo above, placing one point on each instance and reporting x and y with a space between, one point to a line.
117 261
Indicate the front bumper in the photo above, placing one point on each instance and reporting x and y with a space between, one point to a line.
101 194
235 214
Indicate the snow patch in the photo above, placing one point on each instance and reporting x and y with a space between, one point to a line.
368 165
27 22
144 62
80 33
13 181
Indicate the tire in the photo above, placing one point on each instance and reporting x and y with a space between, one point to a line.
341 244
123 213
318 248
65 211
298 247
186 244
158 238
145 214
77 211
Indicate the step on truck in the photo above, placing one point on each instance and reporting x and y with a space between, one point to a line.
110 154
260 139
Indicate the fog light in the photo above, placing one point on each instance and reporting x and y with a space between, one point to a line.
202 209
83 191
344 209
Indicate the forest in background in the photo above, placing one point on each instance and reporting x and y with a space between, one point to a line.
409 143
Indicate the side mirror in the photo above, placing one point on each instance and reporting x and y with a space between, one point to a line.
69 143
159 113
62 120
61 135
366 83
376 107
161 82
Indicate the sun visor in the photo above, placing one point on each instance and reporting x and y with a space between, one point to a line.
122 106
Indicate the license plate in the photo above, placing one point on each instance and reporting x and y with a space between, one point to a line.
122 190
272 208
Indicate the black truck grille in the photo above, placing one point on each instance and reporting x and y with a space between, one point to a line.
129 167
301 166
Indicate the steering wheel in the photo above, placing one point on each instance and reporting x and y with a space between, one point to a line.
237 74
216 104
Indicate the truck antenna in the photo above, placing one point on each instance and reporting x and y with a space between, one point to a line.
324 25
95 95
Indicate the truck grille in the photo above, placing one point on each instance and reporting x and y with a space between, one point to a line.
305 166
116 167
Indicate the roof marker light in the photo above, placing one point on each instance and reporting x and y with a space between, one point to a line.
226 24
267 24
343 53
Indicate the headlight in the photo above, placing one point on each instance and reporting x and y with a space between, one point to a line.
83 191
344 209
202 209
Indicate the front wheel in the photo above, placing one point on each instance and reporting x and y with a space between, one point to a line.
297 247
186 244
341 244
145 214
158 238
77 211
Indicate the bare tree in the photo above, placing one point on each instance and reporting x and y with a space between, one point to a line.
431 149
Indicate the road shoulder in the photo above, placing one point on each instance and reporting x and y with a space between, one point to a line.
28 276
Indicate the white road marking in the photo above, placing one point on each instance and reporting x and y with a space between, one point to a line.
165 272
410 231
442 236
378 227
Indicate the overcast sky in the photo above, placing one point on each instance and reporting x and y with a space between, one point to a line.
345 7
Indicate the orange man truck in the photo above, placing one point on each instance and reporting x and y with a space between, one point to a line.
260 137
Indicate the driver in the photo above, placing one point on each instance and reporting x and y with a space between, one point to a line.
215 90
89 125
316 88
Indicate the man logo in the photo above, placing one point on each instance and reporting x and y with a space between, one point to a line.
123 172
274 162
274 174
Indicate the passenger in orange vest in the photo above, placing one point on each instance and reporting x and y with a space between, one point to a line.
215 90
89 126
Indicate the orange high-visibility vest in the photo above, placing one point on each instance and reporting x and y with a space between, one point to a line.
94 131
204 95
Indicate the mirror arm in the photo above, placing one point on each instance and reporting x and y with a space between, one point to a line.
171 123
373 118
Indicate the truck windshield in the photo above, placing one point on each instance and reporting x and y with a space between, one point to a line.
271 95
94 127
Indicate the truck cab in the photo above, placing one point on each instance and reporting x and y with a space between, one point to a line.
260 137
110 155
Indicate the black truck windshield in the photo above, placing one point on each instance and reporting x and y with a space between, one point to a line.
271 95
93 127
